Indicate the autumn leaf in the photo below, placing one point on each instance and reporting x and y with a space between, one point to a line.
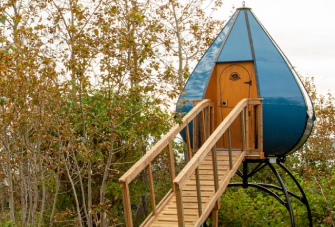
3 19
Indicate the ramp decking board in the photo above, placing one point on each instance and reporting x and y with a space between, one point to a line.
168 214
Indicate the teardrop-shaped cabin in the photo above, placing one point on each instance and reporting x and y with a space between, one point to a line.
245 62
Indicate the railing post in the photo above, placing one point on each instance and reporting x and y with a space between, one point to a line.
152 190
126 202
179 204
195 149
203 132
215 217
260 128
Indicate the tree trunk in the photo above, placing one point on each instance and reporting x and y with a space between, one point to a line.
43 199
55 201
74 193
89 194
2 194
36 196
29 192
11 188
180 52
81 186
9 171
23 191
103 185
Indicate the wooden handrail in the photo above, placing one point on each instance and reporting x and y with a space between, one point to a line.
202 116
193 165
140 165
147 159
136 169
211 204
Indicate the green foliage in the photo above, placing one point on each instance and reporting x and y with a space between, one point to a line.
312 166
250 207
7 224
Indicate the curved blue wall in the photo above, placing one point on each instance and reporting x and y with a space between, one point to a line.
287 110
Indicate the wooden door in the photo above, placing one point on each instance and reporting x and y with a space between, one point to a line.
236 81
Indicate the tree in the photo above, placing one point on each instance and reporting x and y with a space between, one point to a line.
26 82
85 90
188 30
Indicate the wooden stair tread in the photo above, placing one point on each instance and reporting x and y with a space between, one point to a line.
168 214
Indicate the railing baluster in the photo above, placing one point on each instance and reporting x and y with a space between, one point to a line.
215 169
171 165
179 204
242 117
230 150
188 143
216 208
215 211
211 119
246 129
203 130
197 179
195 135
197 176
208 122
152 190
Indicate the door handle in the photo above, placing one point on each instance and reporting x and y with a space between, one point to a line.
248 82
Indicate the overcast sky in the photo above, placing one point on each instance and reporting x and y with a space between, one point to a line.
303 29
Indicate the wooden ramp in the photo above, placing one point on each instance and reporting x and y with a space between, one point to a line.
196 191
168 216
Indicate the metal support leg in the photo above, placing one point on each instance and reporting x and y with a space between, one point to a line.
266 187
288 202
303 198
245 174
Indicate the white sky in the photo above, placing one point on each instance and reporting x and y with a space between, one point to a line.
303 29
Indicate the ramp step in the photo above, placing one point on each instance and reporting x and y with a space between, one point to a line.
168 214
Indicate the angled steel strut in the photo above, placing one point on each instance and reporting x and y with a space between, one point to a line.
270 188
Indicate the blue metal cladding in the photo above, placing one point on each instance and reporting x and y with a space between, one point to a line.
195 87
283 127
237 46
284 107
288 114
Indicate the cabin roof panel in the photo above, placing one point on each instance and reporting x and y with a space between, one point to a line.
275 78
197 83
263 45
237 45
